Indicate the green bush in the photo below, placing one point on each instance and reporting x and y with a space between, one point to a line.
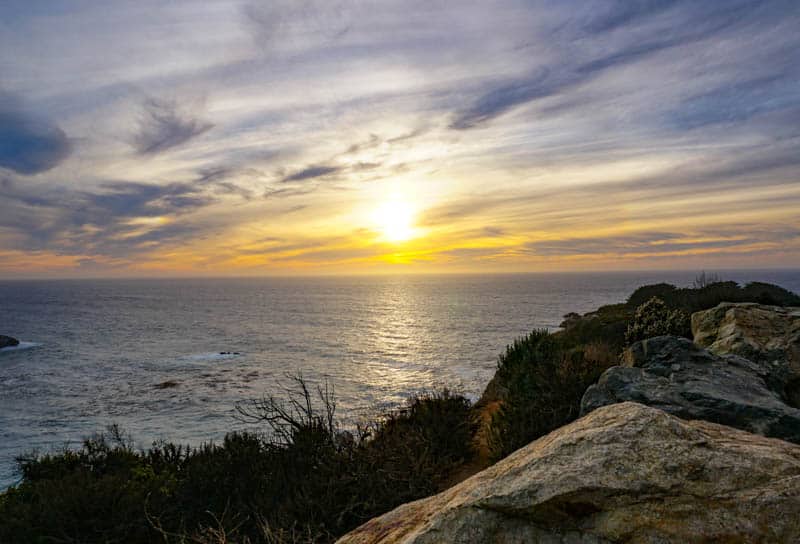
94 494
653 318
545 379
606 325
303 480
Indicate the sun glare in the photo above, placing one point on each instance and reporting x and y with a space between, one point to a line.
395 220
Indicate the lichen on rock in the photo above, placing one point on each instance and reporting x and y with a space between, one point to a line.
623 473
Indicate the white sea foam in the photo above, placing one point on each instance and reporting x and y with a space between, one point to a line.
214 356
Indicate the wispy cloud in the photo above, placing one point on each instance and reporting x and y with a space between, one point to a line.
312 172
620 13
643 244
163 126
291 24
734 104
118 219
623 33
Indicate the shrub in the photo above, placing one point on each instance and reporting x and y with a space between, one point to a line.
303 480
708 293
607 325
663 291
545 381
417 449
653 318
93 494
765 293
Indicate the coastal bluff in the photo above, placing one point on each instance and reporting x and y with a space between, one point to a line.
682 441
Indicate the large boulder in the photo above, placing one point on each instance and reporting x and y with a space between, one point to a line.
624 473
679 377
7 341
766 335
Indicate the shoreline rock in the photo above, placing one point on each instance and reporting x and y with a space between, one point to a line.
767 335
625 472
673 374
748 378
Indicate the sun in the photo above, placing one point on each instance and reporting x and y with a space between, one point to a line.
395 220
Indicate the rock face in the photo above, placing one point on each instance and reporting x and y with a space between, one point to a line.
624 473
7 341
679 377
767 335
749 377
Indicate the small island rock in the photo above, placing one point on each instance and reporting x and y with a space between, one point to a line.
7 341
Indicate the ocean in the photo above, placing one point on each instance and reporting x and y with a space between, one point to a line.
171 358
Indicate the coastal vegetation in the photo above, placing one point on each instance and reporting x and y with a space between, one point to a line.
303 477
654 318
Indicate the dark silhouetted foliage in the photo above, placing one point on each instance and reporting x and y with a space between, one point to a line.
707 293
304 480
545 379
692 300
664 291
607 324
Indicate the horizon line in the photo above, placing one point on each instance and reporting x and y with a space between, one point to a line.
404 273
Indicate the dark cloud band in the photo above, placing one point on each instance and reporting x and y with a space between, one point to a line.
28 144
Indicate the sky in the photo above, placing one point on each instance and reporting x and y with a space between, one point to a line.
221 137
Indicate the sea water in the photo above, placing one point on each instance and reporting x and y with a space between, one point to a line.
171 358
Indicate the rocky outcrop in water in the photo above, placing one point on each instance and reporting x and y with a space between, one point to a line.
624 473
7 341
